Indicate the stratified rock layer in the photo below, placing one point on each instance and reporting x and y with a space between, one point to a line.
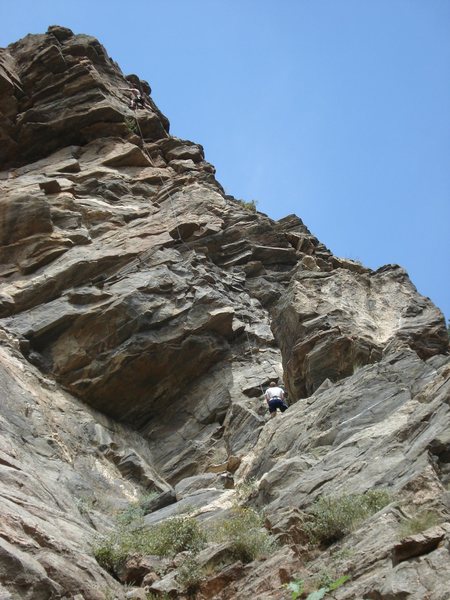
144 310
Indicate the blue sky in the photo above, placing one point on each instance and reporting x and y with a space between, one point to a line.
336 110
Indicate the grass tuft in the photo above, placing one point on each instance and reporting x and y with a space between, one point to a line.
420 522
248 205
331 518
246 533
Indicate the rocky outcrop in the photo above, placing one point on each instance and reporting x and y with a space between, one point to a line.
143 311
60 89
65 472
329 323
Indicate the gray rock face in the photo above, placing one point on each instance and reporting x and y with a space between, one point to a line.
338 439
330 323
142 313
59 485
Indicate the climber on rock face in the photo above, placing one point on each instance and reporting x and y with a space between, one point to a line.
275 399
137 98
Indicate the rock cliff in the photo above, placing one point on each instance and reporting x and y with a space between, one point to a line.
143 311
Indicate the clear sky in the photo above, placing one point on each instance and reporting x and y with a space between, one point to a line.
336 110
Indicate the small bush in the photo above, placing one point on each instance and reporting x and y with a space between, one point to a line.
244 529
245 489
297 588
111 551
165 539
147 499
331 518
105 556
135 512
375 500
130 124
248 205
419 523
175 535
190 574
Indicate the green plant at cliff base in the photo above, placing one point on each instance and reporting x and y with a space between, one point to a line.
420 522
331 518
136 510
147 499
164 539
296 588
176 535
190 573
246 533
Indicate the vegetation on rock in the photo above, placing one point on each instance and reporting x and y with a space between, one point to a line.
246 489
249 205
190 573
246 533
331 518
419 522
165 539
297 588
131 125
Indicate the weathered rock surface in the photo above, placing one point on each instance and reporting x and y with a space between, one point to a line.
61 481
142 312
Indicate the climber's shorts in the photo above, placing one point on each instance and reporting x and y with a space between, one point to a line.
276 403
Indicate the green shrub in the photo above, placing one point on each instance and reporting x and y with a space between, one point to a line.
375 500
173 536
146 499
244 529
132 515
420 522
136 511
111 551
105 556
164 539
190 574
331 518
245 489
248 205
130 124
297 587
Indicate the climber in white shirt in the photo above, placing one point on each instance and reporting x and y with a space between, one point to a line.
275 398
